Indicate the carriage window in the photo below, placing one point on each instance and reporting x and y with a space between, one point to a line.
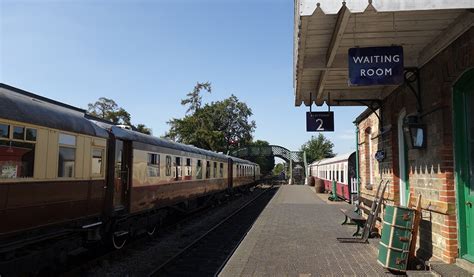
208 170
199 169
221 170
67 160
153 165
18 132
67 155
97 161
4 131
17 159
215 170
188 171
30 134
178 167
168 166
342 176
67 139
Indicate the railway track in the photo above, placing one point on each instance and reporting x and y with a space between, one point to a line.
207 254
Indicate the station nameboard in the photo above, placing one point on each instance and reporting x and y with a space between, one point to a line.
376 66
319 121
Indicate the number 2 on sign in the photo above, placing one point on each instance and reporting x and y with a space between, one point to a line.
320 126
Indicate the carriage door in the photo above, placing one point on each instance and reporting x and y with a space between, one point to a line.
230 172
464 161
122 174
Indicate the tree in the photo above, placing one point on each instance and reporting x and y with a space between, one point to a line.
218 126
143 129
266 163
318 148
108 109
279 168
194 97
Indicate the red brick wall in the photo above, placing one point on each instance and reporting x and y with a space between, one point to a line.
431 169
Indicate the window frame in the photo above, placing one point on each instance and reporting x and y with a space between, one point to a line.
168 165
154 165
70 146
102 165
199 165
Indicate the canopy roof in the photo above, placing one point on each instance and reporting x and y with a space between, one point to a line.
325 30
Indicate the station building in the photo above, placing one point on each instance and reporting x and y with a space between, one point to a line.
418 134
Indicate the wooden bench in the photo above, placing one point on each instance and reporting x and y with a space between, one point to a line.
372 215
356 218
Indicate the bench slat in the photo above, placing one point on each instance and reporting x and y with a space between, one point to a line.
353 215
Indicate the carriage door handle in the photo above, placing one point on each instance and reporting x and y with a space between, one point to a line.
469 203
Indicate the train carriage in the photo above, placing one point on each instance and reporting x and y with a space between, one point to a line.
52 164
67 178
342 170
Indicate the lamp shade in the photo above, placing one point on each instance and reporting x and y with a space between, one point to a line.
416 132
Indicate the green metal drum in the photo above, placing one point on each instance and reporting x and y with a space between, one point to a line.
394 245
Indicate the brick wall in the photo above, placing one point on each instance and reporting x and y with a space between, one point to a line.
431 169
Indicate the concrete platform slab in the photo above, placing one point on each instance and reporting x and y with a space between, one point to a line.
296 236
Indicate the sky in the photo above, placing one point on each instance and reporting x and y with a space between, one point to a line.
146 55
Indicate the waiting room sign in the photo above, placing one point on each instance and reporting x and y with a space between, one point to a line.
371 66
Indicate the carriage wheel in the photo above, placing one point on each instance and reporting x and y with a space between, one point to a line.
119 239
150 231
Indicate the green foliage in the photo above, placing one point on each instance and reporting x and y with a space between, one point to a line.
194 97
218 126
108 109
318 148
267 163
143 129
279 168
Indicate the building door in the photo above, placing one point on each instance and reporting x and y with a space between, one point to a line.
402 161
122 174
464 161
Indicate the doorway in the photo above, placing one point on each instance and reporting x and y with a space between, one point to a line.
464 161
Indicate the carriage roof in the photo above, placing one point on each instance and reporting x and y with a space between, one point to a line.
27 107
336 159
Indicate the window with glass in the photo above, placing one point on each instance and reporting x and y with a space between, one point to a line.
97 161
168 166
153 165
67 155
221 170
178 167
17 156
17 159
188 171
18 132
199 169
4 131
215 170
208 169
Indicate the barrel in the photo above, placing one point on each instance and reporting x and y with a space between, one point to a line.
310 181
319 185
394 246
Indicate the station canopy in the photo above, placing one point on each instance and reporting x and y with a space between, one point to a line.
326 29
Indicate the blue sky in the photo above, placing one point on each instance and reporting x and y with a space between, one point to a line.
146 55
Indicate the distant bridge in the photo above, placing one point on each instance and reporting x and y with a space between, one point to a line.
292 158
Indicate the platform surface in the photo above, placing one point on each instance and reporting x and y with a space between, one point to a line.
296 236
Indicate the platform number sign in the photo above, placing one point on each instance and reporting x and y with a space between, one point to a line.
319 121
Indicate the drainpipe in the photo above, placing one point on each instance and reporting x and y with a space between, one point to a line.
357 160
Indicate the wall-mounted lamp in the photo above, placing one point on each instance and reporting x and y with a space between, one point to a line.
416 132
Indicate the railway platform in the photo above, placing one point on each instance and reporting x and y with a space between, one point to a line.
295 235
